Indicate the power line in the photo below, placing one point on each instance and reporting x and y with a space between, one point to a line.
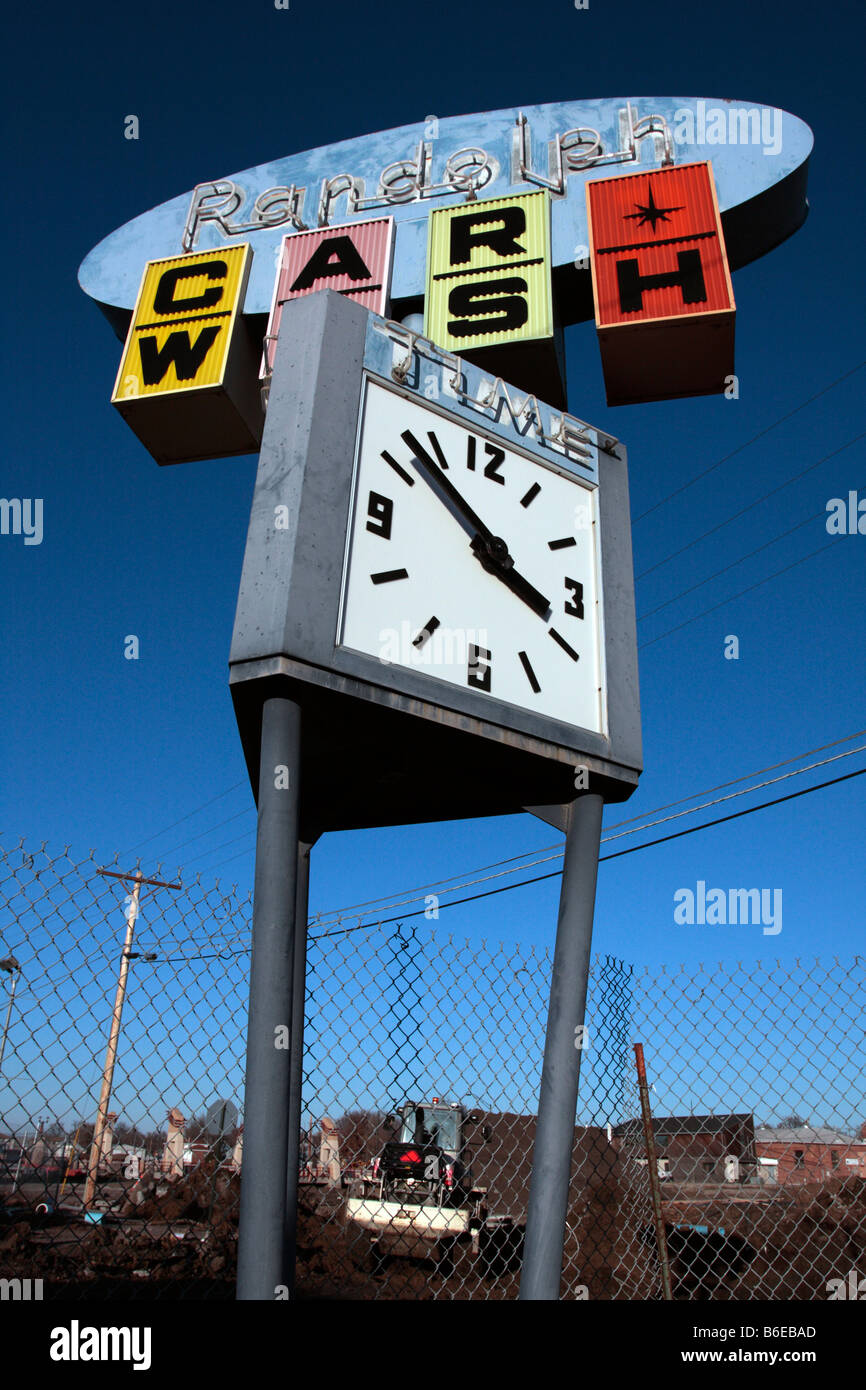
231 859
219 825
732 565
759 786
742 512
606 839
733 597
514 859
759 772
557 873
188 816
735 815
748 442
618 854
352 908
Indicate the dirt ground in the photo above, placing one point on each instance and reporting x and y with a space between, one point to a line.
182 1245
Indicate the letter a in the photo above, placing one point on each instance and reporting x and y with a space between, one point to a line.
837 523
684 912
337 255
59 1349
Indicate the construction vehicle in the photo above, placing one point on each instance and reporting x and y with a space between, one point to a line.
420 1200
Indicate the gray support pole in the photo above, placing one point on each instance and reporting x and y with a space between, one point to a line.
554 1134
299 990
261 1232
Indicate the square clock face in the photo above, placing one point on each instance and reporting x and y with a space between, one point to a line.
473 562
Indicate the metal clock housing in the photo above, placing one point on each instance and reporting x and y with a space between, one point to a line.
390 739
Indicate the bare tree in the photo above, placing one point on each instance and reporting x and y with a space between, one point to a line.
362 1134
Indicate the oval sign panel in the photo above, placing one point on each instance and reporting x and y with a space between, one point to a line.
759 158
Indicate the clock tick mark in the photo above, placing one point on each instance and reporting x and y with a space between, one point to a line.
426 632
561 544
418 449
531 495
566 647
401 472
437 449
387 576
530 674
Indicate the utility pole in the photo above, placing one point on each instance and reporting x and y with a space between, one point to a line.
111 1053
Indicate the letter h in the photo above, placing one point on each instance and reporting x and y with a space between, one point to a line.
689 276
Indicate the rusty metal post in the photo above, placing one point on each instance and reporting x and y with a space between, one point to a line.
652 1165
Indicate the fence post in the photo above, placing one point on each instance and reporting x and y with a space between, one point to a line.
554 1133
261 1231
653 1172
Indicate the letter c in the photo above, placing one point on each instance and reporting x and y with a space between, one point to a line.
164 301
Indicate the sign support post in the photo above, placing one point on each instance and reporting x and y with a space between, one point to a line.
296 1074
554 1135
263 1214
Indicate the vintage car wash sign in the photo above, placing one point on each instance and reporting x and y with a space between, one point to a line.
184 384
354 260
488 273
759 156
664 305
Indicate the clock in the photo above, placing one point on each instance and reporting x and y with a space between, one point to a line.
438 572
471 561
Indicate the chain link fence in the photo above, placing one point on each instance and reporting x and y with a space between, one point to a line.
120 1173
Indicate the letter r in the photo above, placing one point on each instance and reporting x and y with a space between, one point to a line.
499 229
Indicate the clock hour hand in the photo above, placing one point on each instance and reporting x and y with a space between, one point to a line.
492 560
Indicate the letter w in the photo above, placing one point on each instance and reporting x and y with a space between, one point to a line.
177 348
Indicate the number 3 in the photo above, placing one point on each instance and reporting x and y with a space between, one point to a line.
576 608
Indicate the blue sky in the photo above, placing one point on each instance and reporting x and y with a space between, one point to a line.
104 753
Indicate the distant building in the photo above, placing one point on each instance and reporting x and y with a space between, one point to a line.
695 1148
806 1154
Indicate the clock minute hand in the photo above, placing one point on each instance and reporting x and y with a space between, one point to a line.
433 473
490 550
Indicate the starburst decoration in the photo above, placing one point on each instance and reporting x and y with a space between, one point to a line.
648 212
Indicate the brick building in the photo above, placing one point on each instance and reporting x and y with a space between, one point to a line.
807 1154
697 1148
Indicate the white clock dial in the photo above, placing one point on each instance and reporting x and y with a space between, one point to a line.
472 562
